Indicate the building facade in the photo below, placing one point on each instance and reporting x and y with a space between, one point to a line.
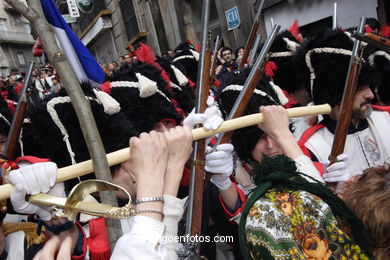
315 15
113 25
109 27
16 41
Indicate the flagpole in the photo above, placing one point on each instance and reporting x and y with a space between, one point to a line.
34 14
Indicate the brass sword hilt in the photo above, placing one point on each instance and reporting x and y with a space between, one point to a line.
74 204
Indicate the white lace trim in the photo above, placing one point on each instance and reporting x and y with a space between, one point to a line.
256 91
110 105
282 54
378 53
5 119
184 57
322 50
54 116
20 139
291 45
173 85
180 77
195 54
133 84
281 96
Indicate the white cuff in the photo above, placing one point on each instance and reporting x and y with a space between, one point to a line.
147 230
222 182
306 166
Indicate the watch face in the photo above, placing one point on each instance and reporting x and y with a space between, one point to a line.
86 6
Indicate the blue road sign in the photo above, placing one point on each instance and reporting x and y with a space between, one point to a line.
232 18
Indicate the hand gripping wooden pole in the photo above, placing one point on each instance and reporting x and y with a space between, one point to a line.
117 157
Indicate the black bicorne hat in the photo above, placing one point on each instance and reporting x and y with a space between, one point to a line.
380 62
285 74
144 96
324 62
181 89
187 56
245 139
57 133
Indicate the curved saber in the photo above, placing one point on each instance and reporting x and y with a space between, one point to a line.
86 167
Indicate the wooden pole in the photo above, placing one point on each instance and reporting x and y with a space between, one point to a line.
34 14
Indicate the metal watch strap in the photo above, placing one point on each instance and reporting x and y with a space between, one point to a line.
149 199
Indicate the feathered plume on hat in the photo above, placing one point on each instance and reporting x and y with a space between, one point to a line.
58 135
245 139
144 96
187 56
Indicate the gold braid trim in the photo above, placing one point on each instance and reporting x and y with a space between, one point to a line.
29 229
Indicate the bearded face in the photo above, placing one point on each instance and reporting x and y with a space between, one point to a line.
362 103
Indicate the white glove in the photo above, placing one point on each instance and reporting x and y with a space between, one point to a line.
339 171
220 163
210 119
210 101
31 180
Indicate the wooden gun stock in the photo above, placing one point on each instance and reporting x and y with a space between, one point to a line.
376 40
17 121
200 155
249 44
214 62
345 114
252 80
252 36
245 100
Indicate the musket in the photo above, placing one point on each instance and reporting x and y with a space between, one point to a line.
251 82
14 131
120 156
17 121
252 36
345 114
200 155
214 59
376 40
254 50
334 18
195 197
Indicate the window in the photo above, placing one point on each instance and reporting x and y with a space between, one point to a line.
129 18
21 59
3 25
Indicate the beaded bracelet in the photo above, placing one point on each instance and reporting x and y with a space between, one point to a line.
149 199
156 211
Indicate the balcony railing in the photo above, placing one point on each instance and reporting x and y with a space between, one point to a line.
16 37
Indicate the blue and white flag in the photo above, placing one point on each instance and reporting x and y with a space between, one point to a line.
81 60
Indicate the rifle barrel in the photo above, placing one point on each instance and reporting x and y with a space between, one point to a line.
373 39
246 91
254 50
251 38
17 121
345 114
334 20
194 217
